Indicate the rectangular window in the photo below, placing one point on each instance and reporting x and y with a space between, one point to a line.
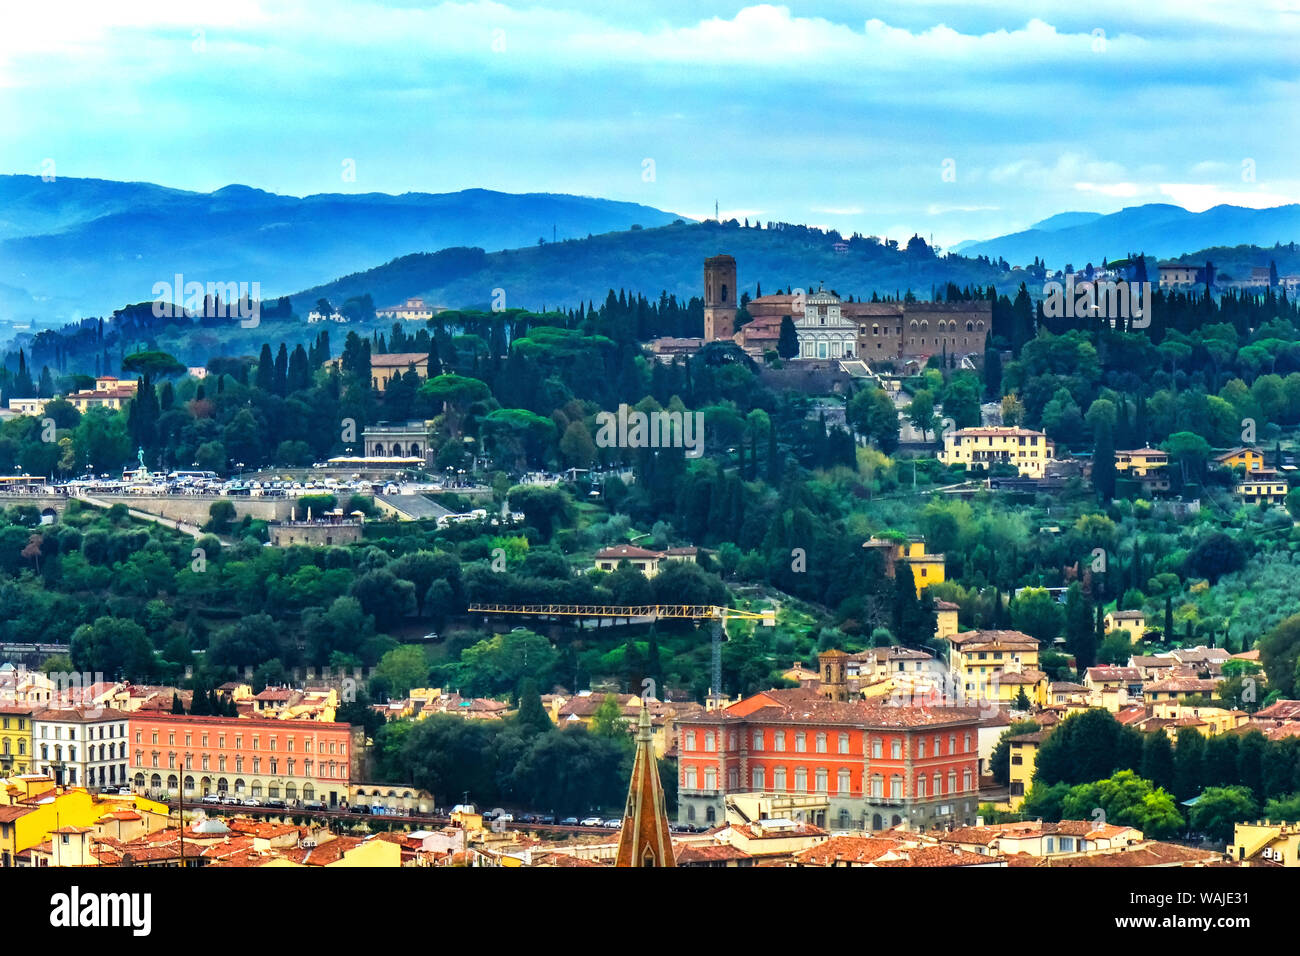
758 740
778 740
757 776
844 743
896 749
876 749
800 743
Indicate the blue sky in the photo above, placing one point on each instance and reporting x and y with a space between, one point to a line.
833 113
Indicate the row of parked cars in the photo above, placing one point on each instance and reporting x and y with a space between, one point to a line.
228 800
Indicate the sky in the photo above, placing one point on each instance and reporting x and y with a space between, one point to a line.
955 120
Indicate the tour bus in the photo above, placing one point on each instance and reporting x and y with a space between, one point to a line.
192 476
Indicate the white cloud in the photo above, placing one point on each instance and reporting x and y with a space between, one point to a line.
1199 197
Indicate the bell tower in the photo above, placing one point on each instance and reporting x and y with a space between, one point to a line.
834 675
720 298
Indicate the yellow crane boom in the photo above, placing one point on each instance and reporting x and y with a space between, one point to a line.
696 612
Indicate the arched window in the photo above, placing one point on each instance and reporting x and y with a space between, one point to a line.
710 815
290 791
189 784
308 792
222 785
690 813
156 782
172 782
877 822
139 781
724 292
256 789
970 326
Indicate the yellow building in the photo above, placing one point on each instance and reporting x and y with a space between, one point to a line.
977 661
384 366
1179 689
1135 622
1029 451
945 614
15 740
1266 842
1023 757
341 852
1262 486
927 569
1209 721
643 559
109 392
32 807
1148 465
1252 459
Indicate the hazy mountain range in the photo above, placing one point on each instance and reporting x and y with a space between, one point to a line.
76 247
1156 229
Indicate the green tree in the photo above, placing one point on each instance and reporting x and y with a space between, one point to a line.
401 669
787 344
608 720
1220 808
532 715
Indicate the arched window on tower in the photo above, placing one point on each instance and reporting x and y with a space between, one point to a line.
724 292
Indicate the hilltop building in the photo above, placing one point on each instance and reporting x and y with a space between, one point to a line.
412 310
927 569
109 392
875 332
1028 450
644 560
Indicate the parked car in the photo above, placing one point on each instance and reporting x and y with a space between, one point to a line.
313 805
612 824
252 802
505 818
527 818
210 799
591 822
275 804
569 822
546 818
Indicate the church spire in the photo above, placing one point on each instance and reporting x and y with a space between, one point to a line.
644 839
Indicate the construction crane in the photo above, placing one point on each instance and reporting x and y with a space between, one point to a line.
718 617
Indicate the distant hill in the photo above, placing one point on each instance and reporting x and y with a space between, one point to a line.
1160 230
651 261
76 247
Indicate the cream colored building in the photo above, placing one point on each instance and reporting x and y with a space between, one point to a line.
1028 450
